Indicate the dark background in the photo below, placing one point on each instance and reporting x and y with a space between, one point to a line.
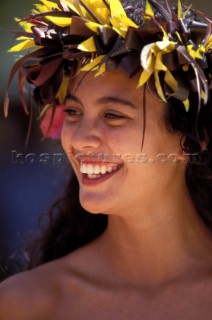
28 185
27 188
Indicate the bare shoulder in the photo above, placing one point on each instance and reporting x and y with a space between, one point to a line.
14 293
40 293
31 294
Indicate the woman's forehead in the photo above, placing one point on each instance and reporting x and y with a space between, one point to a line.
108 83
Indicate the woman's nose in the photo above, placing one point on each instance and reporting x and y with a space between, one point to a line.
87 136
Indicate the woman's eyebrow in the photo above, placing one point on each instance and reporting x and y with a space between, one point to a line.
104 100
115 100
73 98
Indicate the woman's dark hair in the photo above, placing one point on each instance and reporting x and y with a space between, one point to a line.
196 128
69 227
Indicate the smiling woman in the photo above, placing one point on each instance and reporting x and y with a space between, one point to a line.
104 116
130 237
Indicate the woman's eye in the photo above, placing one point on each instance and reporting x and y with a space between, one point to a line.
114 116
72 113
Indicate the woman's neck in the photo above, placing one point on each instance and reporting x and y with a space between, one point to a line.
157 245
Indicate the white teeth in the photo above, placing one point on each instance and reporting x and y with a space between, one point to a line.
103 169
94 171
83 168
109 169
90 169
94 176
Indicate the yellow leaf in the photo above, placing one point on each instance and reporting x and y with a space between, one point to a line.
46 6
145 75
43 111
22 46
116 26
101 70
23 38
99 9
148 9
121 25
60 21
73 5
186 12
103 14
186 104
199 52
179 37
203 95
87 45
191 51
185 67
208 44
62 93
93 26
80 10
165 43
50 4
93 65
41 8
190 47
159 63
158 86
170 80
25 25
117 9
127 22
180 10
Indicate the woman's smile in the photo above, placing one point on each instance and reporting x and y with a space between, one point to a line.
94 173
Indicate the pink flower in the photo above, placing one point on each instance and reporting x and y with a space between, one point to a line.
56 127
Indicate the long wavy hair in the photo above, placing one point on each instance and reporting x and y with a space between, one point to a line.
70 226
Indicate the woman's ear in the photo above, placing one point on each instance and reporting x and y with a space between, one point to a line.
204 145
181 154
205 141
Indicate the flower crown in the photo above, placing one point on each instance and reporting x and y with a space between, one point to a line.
98 35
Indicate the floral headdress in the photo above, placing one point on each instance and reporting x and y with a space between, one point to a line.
164 43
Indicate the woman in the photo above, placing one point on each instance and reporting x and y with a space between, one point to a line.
141 157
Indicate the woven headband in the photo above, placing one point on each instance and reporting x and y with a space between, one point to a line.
171 45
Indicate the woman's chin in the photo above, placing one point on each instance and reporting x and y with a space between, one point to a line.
91 209
94 206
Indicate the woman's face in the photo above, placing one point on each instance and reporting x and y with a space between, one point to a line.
102 136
